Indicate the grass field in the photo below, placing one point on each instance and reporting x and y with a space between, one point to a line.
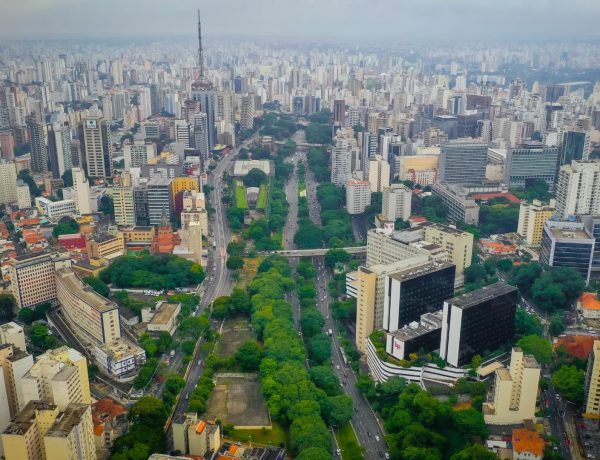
276 436
249 271
240 196
261 203
348 443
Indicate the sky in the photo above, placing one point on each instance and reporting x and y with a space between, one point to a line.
407 20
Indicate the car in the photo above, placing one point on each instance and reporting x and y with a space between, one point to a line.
376 438
187 396
369 434
387 455
356 409
558 397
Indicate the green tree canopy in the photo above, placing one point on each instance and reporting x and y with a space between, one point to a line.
568 381
537 346
254 178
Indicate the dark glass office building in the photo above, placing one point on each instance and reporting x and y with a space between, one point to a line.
415 291
478 321
575 146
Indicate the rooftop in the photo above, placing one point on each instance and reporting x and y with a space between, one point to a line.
525 440
67 420
429 322
420 270
588 301
84 292
25 419
478 296
164 312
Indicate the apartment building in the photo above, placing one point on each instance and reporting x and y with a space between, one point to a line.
531 220
592 383
358 196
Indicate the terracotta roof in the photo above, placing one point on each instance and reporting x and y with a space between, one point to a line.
200 427
525 440
98 430
576 345
589 301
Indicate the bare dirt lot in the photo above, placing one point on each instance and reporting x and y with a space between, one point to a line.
235 333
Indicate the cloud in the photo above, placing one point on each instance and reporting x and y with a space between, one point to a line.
406 20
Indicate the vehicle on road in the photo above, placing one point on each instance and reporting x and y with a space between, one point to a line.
172 354
369 434
376 438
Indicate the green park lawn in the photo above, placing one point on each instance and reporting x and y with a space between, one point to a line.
276 436
348 443
261 203
240 196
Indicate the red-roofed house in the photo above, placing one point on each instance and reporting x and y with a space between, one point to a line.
576 345
527 445
110 422
588 305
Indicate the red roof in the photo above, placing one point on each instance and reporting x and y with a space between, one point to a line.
488 196
579 346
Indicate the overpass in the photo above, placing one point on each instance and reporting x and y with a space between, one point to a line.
313 252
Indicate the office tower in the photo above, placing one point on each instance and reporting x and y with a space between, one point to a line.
138 154
421 169
247 112
123 199
116 72
13 334
353 116
298 105
76 157
578 189
343 154
140 202
412 292
477 321
8 183
575 146
463 162
460 206
81 192
150 129
38 139
194 210
383 247
15 362
592 383
568 244
32 277
182 133
59 376
358 196
379 173
370 145
339 112
97 146
592 227
531 220
59 149
396 202
448 124
41 431
201 134
529 162
159 199
7 145
119 103
514 394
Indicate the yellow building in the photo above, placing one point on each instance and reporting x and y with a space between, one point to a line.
71 437
366 284
180 184
137 236
106 246
412 166
515 391
14 363
194 436
531 220
458 244
592 383
59 376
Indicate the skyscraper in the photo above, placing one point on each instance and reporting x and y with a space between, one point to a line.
59 149
201 132
81 192
578 189
575 146
97 145
38 139
528 162
463 162
379 173
247 115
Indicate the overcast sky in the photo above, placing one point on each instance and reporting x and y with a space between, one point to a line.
409 20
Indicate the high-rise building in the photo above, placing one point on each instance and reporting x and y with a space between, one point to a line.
159 199
568 244
396 202
178 186
7 145
23 195
592 227
182 133
531 220
15 362
528 162
358 196
578 189
8 182
38 139
345 158
477 321
414 291
460 206
592 382
247 112
81 192
97 145
32 277
379 173
514 393
13 334
138 154
123 201
575 146
194 436
201 130
339 112
463 162
59 149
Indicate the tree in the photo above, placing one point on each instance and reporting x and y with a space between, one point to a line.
25 176
66 226
254 178
149 411
97 285
557 325
107 206
334 256
568 381
235 263
324 378
309 431
314 453
527 324
537 346
67 178
337 410
7 307
319 348
505 265
248 356
474 452
474 273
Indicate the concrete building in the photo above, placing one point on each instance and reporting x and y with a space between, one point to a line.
54 210
460 206
457 243
421 169
358 196
194 436
379 173
97 144
463 162
59 148
124 205
138 154
345 157
59 376
243 167
162 318
159 199
12 334
578 189
81 192
33 277
588 305
247 112
592 383
527 444
529 162
8 183
105 246
396 202
531 220
515 390
568 244
183 184
15 362
38 139
416 336
477 321
23 195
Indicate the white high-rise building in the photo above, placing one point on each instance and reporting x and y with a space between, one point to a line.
345 157
182 133
138 154
59 148
358 196
23 195
396 202
81 192
8 182
379 173
578 189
